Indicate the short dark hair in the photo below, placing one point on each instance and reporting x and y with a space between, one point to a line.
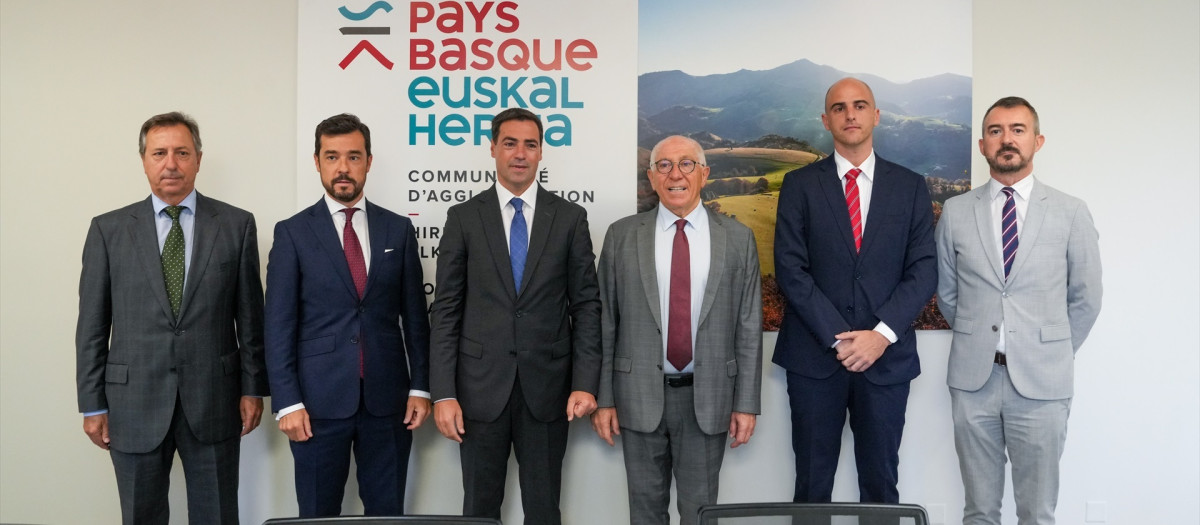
515 114
1012 102
169 119
343 124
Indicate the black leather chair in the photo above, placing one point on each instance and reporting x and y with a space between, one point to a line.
384 520
812 513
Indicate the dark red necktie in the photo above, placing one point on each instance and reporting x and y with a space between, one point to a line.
679 319
358 268
852 203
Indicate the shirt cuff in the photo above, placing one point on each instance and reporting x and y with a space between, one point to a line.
882 328
288 410
418 393
95 413
445 399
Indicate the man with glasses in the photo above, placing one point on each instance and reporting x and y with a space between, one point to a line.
854 256
682 339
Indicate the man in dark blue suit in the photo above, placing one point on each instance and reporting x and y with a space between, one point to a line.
853 288
347 334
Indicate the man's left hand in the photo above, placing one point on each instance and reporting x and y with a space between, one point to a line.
418 409
580 404
858 350
251 408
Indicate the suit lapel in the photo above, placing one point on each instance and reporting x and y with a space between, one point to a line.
716 265
543 219
646 264
323 230
882 188
836 197
378 229
204 234
987 232
144 233
492 224
1030 228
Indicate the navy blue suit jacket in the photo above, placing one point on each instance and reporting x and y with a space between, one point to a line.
314 317
831 289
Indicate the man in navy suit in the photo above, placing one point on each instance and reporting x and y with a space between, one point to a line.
855 258
347 334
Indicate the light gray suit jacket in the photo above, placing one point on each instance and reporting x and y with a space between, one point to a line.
1048 305
728 343
134 359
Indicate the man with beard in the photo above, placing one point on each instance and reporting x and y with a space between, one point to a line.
347 335
1019 268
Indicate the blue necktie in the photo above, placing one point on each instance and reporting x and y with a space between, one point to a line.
518 243
1008 223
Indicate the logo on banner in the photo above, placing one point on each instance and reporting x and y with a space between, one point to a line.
365 45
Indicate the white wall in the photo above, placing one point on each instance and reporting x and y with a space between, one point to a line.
1119 94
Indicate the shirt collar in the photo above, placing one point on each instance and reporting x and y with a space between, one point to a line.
1021 189
844 166
335 206
529 198
188 202
666 219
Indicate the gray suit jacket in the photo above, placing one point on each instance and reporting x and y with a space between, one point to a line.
1048 305
728 345
134 359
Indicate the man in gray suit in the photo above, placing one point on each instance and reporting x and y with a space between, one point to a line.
692 274
169 346
1019 269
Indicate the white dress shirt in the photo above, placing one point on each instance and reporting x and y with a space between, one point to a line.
1021 201
359 222
866 183
700 256
507 211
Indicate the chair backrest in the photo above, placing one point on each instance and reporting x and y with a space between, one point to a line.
814 513
384 520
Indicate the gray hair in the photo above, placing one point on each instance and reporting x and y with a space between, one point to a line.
169 119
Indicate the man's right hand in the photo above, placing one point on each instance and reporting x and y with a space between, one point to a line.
96 428
296 425
604 422
448 415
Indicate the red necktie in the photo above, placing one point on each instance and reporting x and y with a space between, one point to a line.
679 319
358 268
852 204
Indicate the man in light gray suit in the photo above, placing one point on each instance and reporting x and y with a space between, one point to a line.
1019 282
681 332
169 344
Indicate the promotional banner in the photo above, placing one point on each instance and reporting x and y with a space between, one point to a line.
427 77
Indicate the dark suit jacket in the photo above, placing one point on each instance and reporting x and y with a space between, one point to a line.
728 346
483 332
314 317
134 359
831 289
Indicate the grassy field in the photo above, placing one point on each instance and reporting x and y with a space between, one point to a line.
758 213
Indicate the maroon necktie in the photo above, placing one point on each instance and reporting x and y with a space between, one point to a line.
358 268
852 204
679 319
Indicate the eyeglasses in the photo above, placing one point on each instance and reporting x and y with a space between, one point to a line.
685 166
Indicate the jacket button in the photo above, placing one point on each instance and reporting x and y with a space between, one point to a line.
362 309
354 340
180 332
995 328
849 309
